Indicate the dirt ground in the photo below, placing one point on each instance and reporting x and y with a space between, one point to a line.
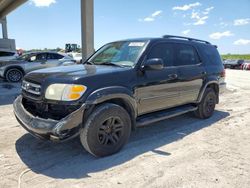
179 152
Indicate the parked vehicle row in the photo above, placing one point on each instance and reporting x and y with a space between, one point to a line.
124 85
14 69
232 63
245 65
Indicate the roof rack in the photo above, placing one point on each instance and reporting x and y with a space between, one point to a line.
187 38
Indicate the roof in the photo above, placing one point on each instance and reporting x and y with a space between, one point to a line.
170 38
7 6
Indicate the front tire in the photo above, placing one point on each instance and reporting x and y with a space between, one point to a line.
14 75
207 105
106 131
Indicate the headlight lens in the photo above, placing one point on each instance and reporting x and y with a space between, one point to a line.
65 92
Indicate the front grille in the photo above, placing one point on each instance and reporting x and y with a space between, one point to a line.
31 88
48 111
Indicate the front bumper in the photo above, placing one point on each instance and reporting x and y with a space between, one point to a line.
49 129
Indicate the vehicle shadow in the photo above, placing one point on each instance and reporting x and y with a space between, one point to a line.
70 160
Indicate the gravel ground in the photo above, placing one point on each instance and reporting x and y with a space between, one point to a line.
179 152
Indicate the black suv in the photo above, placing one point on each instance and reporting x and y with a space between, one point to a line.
124 85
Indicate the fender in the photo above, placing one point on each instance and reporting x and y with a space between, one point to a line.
211 80
114 92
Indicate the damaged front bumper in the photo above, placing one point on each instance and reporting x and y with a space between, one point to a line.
49 129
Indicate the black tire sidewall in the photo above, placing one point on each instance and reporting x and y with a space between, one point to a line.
209 93
8 72
89 134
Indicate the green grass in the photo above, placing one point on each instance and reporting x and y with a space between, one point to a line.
236 56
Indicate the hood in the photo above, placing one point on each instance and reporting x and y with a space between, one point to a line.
68 74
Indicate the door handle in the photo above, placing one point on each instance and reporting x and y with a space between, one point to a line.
172 76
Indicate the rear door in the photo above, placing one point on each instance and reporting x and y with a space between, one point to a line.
158 89
191 72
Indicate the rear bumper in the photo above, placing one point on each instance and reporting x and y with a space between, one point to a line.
49 129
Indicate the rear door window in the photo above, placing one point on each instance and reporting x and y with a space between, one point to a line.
41 57
212 55
53 56
185 55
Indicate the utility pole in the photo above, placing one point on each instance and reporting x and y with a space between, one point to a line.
87 22
4 28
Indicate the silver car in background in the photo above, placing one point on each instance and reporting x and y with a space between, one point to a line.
14 70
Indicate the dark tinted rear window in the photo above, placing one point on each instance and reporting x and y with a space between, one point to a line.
185 55
212 55
54 56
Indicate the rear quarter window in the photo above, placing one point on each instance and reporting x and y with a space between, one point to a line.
212 55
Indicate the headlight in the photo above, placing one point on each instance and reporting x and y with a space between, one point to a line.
65 92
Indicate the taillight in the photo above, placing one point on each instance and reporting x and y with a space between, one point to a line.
223 73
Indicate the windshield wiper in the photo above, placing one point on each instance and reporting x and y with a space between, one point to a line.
89 63
111 64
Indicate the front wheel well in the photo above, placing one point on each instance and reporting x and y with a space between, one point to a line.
118 101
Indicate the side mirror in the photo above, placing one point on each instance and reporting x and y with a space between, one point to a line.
153 64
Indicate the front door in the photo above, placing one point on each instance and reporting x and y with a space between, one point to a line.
158 89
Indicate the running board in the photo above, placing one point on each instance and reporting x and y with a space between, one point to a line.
162 115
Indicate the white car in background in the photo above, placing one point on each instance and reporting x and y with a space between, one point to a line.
76 56
7 54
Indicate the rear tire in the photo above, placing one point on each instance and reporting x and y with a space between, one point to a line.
106 130
14 75
207 105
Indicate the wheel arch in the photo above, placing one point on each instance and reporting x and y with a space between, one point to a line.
115 95
210 84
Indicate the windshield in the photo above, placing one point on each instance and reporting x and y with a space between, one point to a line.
23 57
123 53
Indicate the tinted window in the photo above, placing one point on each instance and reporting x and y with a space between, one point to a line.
37 57
185 55
6 54
40 57
54 56
212 55
164 51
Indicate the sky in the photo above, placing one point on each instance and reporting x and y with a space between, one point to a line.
42 24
